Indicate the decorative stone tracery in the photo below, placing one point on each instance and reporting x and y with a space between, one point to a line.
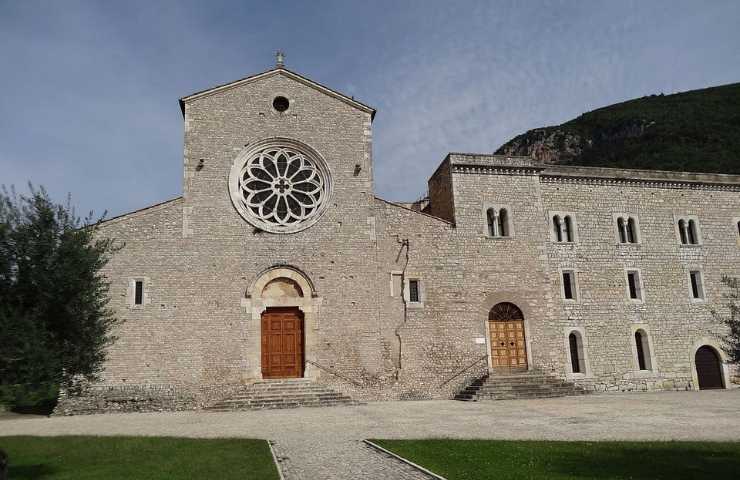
280 185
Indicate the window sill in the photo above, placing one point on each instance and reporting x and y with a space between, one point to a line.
414 305
691 245
508 237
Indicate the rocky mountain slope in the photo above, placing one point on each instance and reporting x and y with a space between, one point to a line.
697 131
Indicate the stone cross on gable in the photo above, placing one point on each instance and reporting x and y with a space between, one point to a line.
279 59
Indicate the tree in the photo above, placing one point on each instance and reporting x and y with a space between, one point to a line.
55 324
731 318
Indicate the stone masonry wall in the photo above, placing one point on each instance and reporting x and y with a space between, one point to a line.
196 337
675 323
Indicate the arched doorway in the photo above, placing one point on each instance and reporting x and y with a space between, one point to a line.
507 337
281 333
708 368
575 352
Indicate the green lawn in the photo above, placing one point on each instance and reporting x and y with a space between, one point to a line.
501 460
135 458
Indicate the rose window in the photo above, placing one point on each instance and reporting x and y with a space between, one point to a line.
280 187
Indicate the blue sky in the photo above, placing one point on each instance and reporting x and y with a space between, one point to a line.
90 89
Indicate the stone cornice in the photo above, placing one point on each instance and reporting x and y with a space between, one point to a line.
482 164
494 170
641 182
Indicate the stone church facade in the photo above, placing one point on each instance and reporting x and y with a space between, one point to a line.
278 261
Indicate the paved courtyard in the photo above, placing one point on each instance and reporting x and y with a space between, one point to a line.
325 443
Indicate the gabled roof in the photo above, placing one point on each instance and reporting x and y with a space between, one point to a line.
279 71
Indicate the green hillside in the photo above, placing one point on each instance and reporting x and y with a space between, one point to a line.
695 131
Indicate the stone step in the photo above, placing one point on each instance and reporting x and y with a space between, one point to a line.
280 406
280 391
489 386
267 398
277 405
523 388
275 394
523 380
515 386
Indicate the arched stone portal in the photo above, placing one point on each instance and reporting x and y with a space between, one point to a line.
507 337
708 368
282 307
709 365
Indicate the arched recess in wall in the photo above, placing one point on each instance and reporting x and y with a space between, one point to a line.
642 350
576 348
709 365
286 296
708 368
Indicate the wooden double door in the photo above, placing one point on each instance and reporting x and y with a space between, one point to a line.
282 343
508 345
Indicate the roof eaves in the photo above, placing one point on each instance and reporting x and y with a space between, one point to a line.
394 204
142 210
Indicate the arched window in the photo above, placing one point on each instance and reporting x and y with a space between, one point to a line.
556 228
682 231
491 217
503 223
622 228
628 228
575 349
738 228
498 222
642 346
631 231
568 224
691 231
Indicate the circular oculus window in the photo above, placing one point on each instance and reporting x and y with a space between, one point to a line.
280 104
280 186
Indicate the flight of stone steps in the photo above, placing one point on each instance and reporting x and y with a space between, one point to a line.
518 386
283 393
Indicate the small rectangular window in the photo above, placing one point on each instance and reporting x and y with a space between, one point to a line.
138 292
414 291
697 289
569 285
633 282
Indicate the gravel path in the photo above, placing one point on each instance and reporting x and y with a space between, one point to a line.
325 443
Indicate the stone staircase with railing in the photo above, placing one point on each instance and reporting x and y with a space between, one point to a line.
283 393
514 386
